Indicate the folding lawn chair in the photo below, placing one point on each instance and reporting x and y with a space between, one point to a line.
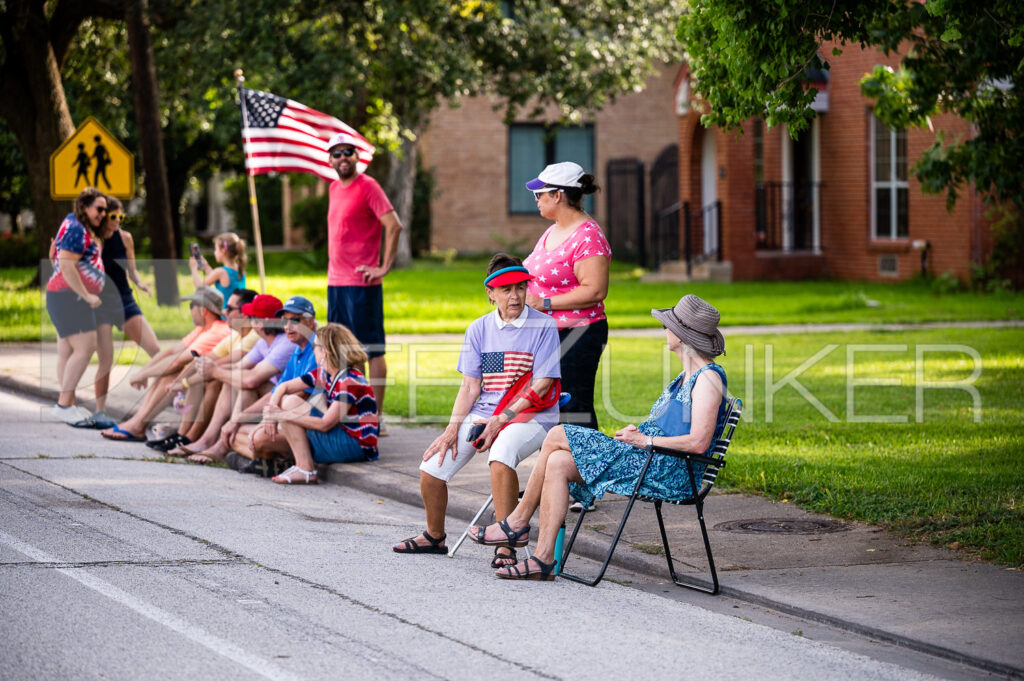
733 410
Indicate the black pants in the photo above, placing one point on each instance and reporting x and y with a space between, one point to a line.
581 353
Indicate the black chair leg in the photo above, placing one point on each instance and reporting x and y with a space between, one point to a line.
611 551
690 584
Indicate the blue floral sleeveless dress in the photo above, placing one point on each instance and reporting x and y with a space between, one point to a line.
606 464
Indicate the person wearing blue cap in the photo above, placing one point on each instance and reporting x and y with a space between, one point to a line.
244 434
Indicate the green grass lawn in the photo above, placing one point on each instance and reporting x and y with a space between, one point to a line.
946 479
439 297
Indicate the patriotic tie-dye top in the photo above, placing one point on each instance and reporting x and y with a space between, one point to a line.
498 353
360 420
553 271
74 238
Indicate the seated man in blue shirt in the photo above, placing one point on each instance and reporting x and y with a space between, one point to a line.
243 434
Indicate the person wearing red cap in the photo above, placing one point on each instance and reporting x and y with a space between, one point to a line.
243 385
357 212
510 387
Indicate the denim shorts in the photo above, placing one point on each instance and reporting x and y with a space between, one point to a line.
334 445
116 310
70 314
361 309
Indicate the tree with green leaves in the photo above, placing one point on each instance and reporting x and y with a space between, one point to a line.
957 56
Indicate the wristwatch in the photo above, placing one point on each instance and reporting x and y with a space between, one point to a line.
649 444
510 414
547 305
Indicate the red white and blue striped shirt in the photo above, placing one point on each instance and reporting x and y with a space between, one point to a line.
360 421
74 238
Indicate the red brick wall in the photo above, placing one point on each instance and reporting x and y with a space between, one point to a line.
849 250
467 150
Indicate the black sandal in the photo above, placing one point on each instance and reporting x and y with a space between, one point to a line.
513 538
503 557
168 443
410 546
545 574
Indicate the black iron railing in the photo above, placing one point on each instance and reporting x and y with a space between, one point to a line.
784 206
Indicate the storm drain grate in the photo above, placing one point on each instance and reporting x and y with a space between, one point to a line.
782 526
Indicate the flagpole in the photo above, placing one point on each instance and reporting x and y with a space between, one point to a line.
240 77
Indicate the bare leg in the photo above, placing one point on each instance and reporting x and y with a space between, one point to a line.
82 346
63 353
435 502
378 378
138 329
296 435
505 488
561 470
211 399
155 400
105 355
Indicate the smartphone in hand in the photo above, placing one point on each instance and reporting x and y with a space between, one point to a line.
194 248
475 432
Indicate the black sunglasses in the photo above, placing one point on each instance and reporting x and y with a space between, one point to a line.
100 209
347 152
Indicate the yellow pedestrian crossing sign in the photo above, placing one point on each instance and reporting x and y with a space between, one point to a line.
92 157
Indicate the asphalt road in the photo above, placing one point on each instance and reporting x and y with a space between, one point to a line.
117 567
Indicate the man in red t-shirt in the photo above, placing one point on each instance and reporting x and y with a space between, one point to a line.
357 212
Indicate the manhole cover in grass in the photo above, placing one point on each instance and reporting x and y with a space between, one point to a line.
782 526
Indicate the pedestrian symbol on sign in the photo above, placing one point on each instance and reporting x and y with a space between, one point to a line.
102 161
83 162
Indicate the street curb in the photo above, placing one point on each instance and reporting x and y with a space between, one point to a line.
463 505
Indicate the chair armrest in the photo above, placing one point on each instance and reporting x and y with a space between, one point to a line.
680 454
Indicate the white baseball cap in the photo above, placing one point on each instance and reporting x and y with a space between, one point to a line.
565 174
343 138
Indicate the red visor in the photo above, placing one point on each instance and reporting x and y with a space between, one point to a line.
507 276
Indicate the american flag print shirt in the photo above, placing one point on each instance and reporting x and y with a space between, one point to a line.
502 369
553 272
74 238
360 419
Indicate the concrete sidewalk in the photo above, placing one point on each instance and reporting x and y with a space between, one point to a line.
850 575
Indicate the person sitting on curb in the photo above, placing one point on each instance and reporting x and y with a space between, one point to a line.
254 376
299 318
346 429
586 463
501 348
205 305
228 352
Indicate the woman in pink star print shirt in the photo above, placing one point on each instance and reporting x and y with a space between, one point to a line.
570 268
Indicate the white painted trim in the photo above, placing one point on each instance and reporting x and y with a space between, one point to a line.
787 189
816 184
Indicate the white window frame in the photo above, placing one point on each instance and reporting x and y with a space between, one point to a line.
893 184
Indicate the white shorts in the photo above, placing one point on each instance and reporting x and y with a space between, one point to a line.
513 444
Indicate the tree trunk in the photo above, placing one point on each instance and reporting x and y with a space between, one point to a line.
151 148
33 103
398 184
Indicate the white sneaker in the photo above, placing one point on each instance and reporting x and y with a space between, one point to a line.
69 415
576 507
382 428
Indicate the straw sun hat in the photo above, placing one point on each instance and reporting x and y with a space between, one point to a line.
695 322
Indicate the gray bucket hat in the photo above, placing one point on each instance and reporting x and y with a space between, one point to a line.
695 322
207 297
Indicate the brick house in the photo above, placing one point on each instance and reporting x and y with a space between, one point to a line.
480 165
838 202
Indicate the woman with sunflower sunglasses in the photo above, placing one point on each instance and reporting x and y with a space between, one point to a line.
118 307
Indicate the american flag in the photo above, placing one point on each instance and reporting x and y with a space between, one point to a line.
502 369
281 135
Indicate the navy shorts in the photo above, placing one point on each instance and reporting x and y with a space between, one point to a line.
69 313
116 310
361 309
334 445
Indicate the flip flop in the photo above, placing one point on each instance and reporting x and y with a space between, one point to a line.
125 435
